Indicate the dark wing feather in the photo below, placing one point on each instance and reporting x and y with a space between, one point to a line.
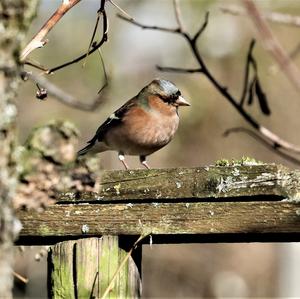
114 120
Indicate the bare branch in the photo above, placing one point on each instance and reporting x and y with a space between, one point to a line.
272 45
277 141
104 71
202 28
276 17
20 277
295 52
45 87
271 146
247 71
35 64
178 15
94 47
65 97
143 26
275 68
177 70
272 138
37 41
121 9
93 36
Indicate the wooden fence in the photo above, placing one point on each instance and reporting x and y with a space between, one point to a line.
94 234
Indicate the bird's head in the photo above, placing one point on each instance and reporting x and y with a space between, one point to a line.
165 91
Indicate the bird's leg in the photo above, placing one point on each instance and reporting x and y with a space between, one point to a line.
144 162
122 159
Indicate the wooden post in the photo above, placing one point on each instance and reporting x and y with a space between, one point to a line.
84 269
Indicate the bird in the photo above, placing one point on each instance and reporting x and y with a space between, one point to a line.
143 125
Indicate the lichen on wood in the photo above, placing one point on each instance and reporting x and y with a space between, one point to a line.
213 182
84 269
204 200
183 218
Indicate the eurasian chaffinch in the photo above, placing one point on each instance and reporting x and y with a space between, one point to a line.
143 125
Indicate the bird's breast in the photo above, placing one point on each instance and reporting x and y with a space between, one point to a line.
143 132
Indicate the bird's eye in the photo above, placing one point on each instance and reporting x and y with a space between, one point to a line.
171 98
175 96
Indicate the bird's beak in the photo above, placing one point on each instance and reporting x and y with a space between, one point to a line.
182 102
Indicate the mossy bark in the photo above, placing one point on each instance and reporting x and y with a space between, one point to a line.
15 17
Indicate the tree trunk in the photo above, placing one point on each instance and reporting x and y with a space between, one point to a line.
15 17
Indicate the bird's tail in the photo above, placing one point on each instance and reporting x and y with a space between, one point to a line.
84 150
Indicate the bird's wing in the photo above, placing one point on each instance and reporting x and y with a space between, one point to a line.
114 120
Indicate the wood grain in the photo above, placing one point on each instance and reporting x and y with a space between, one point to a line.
163 218
211 182
85 268
232 200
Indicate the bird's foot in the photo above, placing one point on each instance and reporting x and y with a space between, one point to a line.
145 164
122 159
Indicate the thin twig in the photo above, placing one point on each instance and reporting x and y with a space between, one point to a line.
272 44
20 277
201 29
125 259
35 64
178 15
276 17
132 21
93 36
121 10
37 40
275 68
177 69
257 137
93 286
94 48
247 71
272 137
272 16
295 52
58 93
65 97
104 71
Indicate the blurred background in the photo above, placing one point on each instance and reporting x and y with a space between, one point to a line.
199 271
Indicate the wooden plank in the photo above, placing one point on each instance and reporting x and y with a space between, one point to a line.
237 199
61 256
212 182
86 263
162 219
86 267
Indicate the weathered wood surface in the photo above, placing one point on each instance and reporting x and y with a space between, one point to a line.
198 201
85 268
211 182
164 218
